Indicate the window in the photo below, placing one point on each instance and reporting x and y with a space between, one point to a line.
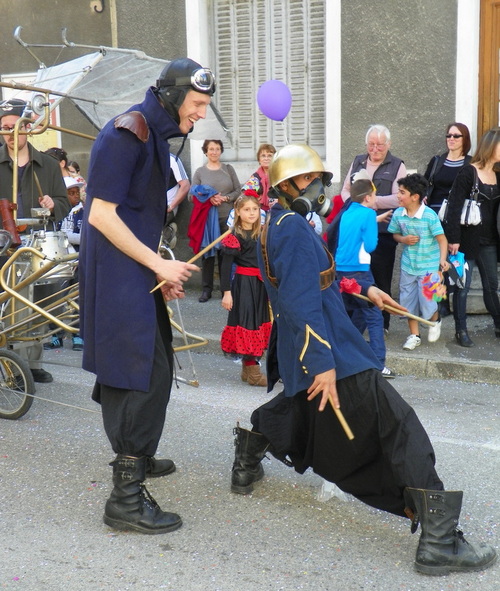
259 40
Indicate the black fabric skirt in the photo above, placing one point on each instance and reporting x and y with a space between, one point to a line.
248 324
390 450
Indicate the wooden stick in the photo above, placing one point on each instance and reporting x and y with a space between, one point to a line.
396 311
342 420
199 254
38 185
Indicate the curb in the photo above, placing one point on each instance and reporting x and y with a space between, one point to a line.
486 372
441 368
437 361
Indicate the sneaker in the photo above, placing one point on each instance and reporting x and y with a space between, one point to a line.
77 344
412 342
55 343
434 332
388 373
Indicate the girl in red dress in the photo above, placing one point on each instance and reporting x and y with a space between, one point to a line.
248 325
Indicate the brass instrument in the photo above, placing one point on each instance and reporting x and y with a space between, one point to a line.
23 318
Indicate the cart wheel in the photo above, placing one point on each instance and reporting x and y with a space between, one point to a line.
16 381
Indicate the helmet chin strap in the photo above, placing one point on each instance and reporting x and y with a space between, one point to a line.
292 182
281 194
290 198
169 101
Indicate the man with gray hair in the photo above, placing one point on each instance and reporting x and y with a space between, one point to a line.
383 168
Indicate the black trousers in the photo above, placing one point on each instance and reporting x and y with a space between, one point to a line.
207 271
382 266
390 450
208 263
134 420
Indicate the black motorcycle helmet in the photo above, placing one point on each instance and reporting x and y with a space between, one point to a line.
177 78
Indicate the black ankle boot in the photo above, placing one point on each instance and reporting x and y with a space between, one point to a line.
250 450
442 547
157 468
205 296
463 339
130 506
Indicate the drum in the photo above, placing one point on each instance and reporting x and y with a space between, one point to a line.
52 245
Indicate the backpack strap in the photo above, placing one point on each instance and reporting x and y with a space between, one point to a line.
263 247
326 277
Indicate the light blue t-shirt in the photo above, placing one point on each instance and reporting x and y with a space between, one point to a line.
423 257
358 236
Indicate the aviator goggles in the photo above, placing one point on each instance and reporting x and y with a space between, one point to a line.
201 80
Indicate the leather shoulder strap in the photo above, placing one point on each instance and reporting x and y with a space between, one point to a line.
135 122
326 277
263 247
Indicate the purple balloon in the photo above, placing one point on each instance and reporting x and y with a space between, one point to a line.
274 99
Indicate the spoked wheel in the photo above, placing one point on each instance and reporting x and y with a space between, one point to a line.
16 381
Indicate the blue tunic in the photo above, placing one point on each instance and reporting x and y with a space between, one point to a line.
118 317
314 332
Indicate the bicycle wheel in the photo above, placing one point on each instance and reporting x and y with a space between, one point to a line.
16 381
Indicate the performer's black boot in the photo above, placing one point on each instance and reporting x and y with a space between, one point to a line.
130 506
157 468
442 547
250 450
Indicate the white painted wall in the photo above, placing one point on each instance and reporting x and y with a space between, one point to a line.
467 84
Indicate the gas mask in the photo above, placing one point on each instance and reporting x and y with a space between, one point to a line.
312 198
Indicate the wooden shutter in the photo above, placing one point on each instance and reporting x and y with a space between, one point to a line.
489 61
259 40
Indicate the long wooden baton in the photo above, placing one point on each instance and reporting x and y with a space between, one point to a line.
199 254
395 310
342 420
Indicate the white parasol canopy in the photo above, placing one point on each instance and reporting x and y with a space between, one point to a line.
105 83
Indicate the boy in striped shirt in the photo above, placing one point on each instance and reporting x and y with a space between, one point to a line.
425 251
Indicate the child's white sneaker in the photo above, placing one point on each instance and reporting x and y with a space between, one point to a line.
434 332
412 342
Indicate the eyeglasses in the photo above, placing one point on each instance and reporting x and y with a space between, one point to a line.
377 146
201 80
11 128
455 136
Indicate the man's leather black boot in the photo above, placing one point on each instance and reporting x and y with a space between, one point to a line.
247 468
442 547
130 506
157 468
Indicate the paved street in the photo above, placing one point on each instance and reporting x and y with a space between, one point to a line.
54 481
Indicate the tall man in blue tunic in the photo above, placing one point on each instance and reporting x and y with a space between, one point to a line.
127 333
320 355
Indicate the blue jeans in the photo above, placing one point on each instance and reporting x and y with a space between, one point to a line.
365 315
486 263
